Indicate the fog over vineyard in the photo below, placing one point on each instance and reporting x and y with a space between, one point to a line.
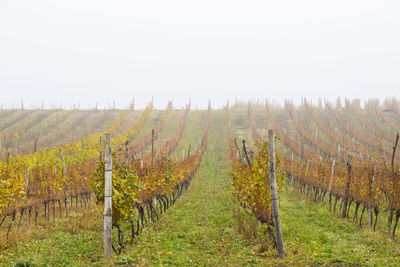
99 51
199 133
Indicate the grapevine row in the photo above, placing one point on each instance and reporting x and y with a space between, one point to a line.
30 180
141 192
370 182
250 176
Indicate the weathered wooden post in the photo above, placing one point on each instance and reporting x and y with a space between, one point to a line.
291 169
238 151
332 173
65 183
391 208
26 180
330 181
347 188
35 146
274 195
47 202
245 153
107 215
152 147
370 197
127 156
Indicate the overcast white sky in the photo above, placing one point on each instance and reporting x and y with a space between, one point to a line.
88 51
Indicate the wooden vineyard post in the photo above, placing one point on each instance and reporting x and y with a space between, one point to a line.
26 181
107 215
274 195
337 154
391 208
238 151
65 183
291 169
370 197
347 188
126 153
330 181
152 147
245 153
35 146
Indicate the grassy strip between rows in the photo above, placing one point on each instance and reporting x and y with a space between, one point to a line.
315 235
199 229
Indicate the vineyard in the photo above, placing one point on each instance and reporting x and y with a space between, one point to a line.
202 187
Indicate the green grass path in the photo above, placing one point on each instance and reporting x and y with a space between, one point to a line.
314 235
199 228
